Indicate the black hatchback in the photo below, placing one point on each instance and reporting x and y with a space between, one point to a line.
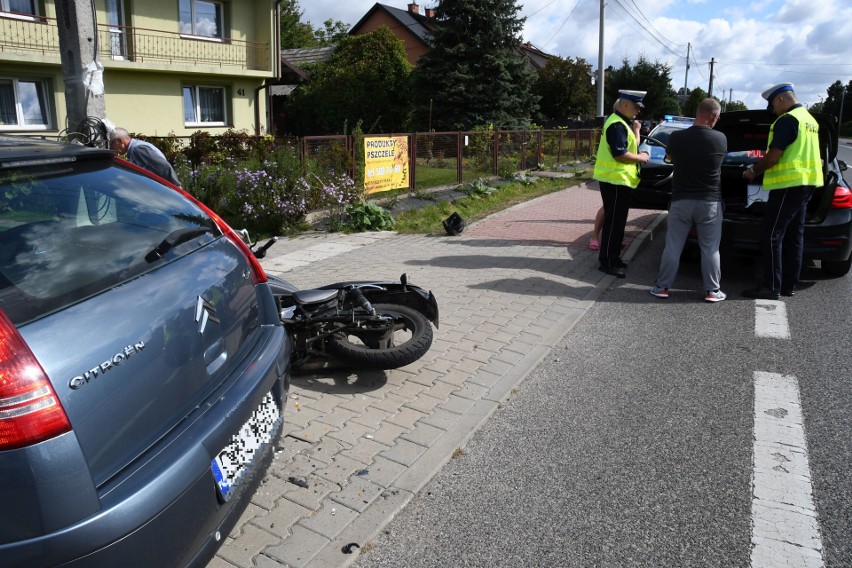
828 225
143 365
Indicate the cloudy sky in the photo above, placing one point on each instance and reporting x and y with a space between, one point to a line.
755 44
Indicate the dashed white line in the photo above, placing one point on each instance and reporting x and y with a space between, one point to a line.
770 319
785 530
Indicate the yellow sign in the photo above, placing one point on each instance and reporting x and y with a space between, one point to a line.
385 163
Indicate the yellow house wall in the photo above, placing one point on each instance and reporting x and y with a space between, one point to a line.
152 104
150 100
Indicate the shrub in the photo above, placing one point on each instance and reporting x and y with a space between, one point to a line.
369 217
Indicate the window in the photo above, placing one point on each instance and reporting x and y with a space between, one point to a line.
117 31
23 104
27 7
21 10
204 106
201 18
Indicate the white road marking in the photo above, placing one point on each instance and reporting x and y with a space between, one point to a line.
770 319
785 530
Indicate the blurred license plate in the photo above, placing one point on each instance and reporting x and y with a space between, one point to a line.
236 459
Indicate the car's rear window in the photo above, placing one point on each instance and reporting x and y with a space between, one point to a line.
68 232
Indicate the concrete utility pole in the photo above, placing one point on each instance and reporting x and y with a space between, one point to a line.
601 63
686 75
81 70
712 64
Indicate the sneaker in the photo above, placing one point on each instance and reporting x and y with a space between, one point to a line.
715 296
659 292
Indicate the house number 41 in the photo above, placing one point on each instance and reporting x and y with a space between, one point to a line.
241 92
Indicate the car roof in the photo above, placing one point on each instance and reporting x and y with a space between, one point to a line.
18 151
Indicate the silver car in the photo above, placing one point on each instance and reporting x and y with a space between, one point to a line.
143 365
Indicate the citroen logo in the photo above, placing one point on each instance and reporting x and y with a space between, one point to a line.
204 312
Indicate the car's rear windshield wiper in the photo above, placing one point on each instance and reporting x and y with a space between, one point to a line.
174 239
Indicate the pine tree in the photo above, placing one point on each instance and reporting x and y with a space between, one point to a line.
474 74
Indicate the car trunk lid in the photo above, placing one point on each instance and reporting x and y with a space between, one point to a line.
133 390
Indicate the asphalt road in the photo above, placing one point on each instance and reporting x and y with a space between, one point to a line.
632 443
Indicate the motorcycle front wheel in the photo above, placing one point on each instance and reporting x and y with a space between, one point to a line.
400 340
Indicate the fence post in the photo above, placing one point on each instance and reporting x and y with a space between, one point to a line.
576 144
496 152
459 157
303 152
539 156
412 161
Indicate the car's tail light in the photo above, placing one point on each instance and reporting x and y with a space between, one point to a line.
30 411
842 198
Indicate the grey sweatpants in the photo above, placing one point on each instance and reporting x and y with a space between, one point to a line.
706 216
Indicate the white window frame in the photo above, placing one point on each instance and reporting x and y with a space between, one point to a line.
34 16
196 104
42 86
192 31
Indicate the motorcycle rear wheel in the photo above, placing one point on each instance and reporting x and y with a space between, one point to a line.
382 347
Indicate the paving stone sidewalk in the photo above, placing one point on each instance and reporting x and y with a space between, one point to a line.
509 288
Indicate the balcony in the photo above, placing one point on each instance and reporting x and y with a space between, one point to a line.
38 38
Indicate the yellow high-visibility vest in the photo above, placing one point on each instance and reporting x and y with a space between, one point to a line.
800 163
609 169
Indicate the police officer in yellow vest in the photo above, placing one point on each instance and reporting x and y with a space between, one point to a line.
617 171
791 169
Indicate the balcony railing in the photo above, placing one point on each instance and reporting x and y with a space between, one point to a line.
40 36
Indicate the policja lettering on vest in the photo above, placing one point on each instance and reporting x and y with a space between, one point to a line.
791 169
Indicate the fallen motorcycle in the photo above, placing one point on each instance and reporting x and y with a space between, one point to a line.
363 324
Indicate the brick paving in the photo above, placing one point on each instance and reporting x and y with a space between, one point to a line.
508 288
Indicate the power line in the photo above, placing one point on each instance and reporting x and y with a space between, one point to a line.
660 40
565 21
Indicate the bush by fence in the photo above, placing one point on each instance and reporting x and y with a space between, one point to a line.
269 184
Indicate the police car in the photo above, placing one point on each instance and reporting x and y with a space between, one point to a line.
655 187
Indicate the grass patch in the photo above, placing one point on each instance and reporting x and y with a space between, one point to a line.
429 219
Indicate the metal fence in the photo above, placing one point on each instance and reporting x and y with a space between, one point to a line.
446 158
435 158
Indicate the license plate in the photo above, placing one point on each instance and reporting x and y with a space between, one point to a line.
237 457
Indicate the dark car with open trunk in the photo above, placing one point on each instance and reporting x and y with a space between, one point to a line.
828 226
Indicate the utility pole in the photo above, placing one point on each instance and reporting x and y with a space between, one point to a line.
686 75
710 90
842 100
601 62
81 70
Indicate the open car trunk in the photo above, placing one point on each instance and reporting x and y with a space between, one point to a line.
748 134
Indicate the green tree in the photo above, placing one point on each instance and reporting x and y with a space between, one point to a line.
331 33
835 93
734 105
295 33
474 73
655 78
366 81
695 97
565 88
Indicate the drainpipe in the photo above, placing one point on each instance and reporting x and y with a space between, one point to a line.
276 67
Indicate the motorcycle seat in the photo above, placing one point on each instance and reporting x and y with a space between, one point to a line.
305 297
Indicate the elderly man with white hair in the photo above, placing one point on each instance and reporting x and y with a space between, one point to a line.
143 154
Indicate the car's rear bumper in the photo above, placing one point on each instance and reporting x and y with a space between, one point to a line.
168 511
829 240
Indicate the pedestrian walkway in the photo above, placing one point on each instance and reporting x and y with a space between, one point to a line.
358 446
